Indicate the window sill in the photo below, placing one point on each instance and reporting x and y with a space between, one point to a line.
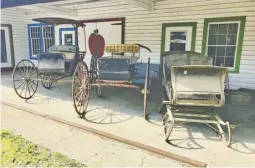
33 58
233 71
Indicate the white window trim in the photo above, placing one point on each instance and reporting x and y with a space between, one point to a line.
237 39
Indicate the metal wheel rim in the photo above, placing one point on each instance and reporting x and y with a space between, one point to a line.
227 137
28 78
80 88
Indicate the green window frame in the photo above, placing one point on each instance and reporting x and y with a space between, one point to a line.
179 24
239 40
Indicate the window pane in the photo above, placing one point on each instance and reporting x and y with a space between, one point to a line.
229 62
214 60
213 29
221 51
177 46
221 40
211 51
231 40
219 61
223 29
212 39
232 28
230 51
178 35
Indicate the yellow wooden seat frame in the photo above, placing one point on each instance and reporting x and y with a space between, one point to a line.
118 48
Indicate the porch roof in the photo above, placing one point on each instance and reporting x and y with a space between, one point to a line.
59 21
41 5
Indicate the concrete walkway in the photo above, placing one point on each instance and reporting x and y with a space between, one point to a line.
121 114
76 144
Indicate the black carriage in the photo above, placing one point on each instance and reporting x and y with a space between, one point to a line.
192 89
55 66
118 69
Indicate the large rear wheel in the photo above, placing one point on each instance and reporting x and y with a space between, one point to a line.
24 78
81 88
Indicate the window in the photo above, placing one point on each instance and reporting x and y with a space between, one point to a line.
179 36
35 39
48 37
177 41
222 43
41 38
222 40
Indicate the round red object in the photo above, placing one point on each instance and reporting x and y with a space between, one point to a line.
96 45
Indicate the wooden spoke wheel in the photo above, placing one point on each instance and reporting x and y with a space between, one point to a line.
46 84
93 69
146 88
24 78
81 88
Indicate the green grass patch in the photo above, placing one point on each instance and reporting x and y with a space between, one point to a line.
17 151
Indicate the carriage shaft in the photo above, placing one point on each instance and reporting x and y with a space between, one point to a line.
56 80
192 115
116 85
195 120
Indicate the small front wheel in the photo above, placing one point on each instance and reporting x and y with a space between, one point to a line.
81 88
99 91
46 83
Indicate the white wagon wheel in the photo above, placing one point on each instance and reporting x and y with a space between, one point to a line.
81 88
24 78
146 90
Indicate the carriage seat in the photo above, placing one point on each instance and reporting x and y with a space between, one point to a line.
69 51
132 59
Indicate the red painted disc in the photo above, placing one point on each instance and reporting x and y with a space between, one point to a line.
96 45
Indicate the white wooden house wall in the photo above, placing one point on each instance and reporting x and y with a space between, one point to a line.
144 27
18 19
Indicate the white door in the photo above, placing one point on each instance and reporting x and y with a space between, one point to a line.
68 37
178 38
5 47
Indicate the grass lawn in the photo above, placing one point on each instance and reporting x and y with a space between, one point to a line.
17 151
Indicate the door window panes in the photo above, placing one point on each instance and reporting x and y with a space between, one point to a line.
48 37
41 38
35 39
222 43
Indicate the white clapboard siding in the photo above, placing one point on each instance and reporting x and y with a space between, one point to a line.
17 18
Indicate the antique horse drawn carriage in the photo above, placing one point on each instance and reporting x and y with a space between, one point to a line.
192 89
115 70
54 66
